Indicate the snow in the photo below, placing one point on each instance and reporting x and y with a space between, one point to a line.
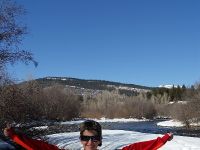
182 102
116 139
168 86
170 123
179 102
40 128
105 120
174 123
72 122
119 120
128 88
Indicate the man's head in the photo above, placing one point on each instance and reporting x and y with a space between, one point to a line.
90 134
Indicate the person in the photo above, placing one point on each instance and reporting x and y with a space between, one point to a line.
90 137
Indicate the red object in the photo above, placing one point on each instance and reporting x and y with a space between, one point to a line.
33 144
30 144
148 145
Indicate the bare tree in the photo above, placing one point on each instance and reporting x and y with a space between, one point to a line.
12 32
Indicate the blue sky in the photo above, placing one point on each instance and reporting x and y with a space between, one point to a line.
132 41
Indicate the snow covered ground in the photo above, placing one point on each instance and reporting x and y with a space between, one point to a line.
170 123
174 123
116 139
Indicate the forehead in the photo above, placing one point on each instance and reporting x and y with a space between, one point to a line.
89 133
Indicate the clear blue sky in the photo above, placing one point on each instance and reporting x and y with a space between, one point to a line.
145 42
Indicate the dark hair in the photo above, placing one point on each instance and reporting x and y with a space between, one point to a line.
91 125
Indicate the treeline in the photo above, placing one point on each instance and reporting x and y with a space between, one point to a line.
114 105
173 94
183 104
30 101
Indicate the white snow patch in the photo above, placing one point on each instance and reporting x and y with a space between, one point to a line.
174 123
179 102
106 120
168 86
182 102
40 127
170 123
120 120
72 122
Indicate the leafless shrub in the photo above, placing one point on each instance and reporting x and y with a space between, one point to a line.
30 102
13 104
105 104
182 112
61 105
163 110
139 108
114 105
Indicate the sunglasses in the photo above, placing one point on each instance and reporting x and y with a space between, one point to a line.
92 138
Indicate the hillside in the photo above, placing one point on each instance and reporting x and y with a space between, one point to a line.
92 85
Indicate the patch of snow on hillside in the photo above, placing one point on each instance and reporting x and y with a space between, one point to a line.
168 86
128 88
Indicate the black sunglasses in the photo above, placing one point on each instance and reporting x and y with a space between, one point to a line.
92 138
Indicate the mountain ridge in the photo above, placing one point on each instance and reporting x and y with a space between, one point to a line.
83 86
85 82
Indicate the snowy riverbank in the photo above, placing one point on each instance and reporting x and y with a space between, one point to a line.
174 123
115 139
106 120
